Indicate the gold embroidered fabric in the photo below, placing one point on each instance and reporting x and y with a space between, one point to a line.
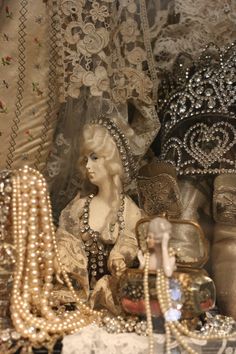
72 252
224 199
158 190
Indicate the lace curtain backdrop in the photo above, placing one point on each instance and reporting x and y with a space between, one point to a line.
108 68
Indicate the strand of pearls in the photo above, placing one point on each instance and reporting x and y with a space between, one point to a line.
168 338
147 304
162 286
175 327
35 242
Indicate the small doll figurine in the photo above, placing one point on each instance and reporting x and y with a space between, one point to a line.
158 236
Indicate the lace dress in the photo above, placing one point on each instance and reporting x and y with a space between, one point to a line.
76 260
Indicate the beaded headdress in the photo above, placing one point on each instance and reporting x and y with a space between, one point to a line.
197 108
122 144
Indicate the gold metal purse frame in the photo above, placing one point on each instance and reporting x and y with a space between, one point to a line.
181 264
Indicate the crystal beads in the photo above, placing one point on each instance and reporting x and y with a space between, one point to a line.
96 251
122 144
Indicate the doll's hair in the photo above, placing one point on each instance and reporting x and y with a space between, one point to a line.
159 225
97 139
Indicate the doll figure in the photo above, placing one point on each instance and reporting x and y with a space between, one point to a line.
96 234
158 236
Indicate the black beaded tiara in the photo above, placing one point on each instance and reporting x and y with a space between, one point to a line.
197 109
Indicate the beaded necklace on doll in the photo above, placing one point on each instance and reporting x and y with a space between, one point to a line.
97 251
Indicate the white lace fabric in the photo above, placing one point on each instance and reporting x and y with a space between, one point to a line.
93 339
189 25
104 49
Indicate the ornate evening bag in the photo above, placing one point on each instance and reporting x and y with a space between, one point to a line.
191 289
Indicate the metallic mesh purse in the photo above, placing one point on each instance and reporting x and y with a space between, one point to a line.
158 190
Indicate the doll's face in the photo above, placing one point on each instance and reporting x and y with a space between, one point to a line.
154 239
96 168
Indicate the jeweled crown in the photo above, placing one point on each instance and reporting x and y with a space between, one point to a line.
197 109
122 144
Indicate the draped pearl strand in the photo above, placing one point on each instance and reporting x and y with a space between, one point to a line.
147 303
35 242
175 327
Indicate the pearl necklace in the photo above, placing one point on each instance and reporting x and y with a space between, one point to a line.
35 242
174 327
147 303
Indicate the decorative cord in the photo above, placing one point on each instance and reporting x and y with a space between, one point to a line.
52 81
20 81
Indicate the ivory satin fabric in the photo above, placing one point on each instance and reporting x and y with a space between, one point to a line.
24 83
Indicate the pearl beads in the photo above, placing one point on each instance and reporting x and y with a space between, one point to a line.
34 239
35 242
174 327
147 304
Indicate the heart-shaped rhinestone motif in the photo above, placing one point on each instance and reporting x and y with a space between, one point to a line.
208 144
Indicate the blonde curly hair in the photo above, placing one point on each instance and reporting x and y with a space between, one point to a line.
97 139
